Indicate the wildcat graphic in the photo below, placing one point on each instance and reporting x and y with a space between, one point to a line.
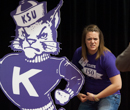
28 77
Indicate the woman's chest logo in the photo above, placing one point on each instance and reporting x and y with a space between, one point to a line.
91 73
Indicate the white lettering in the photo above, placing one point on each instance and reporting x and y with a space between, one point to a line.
92 73
24 79
90 65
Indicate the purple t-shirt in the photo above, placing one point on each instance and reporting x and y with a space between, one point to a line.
97 72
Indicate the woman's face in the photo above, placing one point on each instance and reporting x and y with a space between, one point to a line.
92 42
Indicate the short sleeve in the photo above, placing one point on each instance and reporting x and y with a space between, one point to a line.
109 64
77 57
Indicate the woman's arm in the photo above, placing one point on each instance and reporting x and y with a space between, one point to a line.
116 84
123 60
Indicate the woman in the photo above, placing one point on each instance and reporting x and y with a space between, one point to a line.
102 79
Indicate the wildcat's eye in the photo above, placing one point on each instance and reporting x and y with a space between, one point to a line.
24 34
22 37
43 36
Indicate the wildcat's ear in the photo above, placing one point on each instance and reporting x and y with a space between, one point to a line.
55 15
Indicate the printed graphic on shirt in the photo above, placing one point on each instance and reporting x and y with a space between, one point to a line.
90 72
28 77
83 62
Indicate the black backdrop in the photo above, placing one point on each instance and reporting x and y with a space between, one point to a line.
112 17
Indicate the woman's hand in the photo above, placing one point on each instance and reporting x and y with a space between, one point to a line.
90 96
82 97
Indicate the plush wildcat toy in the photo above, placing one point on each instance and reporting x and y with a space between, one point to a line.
29 76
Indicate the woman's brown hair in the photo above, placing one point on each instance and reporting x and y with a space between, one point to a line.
101 48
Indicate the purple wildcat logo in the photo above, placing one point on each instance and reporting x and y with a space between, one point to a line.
29 76
39 35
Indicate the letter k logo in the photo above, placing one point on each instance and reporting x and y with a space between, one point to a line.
24 79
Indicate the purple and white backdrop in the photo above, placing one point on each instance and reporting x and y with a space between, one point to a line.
30 73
